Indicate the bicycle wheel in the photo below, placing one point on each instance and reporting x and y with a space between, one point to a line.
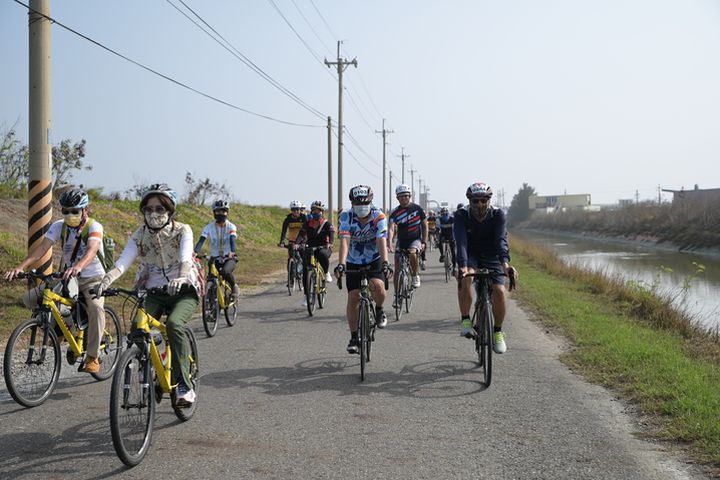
483 341
31 366
231 308
409 292
310 294
290 275
370 330
132 406
399 298
210 308
321 289
111 345
363 325
185 413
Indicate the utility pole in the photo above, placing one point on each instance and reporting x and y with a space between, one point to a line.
637 197
659 195
384 134
341 66
403 156
412 184
330 176
40 159
390 199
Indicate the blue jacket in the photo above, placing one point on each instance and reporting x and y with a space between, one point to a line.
481 240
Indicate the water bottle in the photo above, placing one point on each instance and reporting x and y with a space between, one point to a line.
160 344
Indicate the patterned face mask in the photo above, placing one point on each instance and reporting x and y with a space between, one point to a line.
157 220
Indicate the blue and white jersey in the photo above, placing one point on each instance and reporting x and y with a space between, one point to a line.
363 238
219 236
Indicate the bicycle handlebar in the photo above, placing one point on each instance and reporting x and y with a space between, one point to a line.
363 270
485 273
40 276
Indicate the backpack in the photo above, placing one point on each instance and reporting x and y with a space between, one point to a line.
107 260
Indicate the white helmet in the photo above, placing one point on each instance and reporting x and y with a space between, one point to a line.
402 189
296 204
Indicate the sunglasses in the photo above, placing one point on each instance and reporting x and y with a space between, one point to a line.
158 209
71 211
480 200
404 195
294 209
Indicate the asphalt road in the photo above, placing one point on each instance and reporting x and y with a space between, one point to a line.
280 398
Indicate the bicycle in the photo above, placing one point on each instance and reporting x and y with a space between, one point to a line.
366 315
217 297
483 320
32 361
404 290
447 260
294 271
315 290
142 377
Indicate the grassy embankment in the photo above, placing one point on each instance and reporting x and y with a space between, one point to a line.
258 232
626 338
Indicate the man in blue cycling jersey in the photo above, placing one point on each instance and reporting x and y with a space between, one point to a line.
363 241
481 242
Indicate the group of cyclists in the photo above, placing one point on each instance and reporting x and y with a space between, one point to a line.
164 246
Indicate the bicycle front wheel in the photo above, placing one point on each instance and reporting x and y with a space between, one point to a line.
310 293
185 413
132 406
321 289
483 341
111 345
31 365
409 292
210 308
363 332
231 308
399 295
290 275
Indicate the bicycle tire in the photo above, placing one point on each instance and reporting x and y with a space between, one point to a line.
399 298
186 413
409 293
370 330
322 290
22 380
483 341
132 410
111 345
362 336
231 308
210 308
290 275
447 264
310 294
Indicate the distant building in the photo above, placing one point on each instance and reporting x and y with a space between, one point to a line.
555 203
626 202
697 197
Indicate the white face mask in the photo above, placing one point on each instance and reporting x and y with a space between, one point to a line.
157 220
361 211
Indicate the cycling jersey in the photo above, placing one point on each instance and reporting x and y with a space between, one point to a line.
481 241
431 224
445 227
95 232
316 233
220 237
409 221
362 248
291 226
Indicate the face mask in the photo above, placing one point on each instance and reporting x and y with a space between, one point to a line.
316 216
157 220
361 211
478 210
73 221
220 218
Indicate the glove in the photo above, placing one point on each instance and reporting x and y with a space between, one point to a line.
340 270
386 270
176 284
107 280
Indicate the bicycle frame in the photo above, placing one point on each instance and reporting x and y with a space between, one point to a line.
48 304
144 324
213 272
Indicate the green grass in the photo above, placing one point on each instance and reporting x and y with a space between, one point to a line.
659 366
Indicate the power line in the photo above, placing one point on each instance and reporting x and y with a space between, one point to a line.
170 79
324 21
312 29
355 158
244 59
302 40
354 140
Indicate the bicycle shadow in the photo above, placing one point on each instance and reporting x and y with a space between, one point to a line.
435 379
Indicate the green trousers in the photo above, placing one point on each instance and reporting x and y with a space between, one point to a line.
179 309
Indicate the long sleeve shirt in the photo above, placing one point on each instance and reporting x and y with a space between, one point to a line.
486 239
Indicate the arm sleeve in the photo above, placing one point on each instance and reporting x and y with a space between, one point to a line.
501 242
186 245
344 225
199 244
382 226
460 241
128 256
284 229
331 233
233 244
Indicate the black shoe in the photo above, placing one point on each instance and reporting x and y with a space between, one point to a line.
353 346
442 259
380 318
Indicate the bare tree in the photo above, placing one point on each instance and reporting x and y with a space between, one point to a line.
199 191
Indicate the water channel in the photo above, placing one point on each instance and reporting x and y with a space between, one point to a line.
672 272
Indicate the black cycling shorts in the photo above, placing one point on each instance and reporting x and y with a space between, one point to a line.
352 280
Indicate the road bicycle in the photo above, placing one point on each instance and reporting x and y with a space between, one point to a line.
31 365
366 315
447 260
294 271
218 297
315 290
404 289
142 377
483 320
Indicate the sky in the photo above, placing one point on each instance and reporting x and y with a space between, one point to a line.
614 98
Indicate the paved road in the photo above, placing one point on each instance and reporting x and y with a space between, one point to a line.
280 398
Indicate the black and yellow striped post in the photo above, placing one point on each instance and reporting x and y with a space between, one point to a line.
40 166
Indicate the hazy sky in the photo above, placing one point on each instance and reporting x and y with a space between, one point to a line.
602 97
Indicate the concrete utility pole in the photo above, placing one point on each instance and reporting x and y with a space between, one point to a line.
40 161
341 66
412 183
403 156
384 134
330 176
390 198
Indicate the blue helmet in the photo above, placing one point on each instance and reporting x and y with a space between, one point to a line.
74 198
159 189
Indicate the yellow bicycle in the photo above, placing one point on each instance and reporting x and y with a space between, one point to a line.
142 377
31 365
315 290
217 297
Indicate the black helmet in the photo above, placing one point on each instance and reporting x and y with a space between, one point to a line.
361 195
74 198
221 205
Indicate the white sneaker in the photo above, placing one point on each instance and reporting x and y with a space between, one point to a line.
328 277
499 342
304 302
416 281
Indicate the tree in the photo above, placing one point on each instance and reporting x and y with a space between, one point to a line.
198 190
13 161
67 159
519 210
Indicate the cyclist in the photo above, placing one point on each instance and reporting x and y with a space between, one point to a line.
363 241
445 232
316 231
408 220
165 248
432 223
291 225
223 236
481 242
80 259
